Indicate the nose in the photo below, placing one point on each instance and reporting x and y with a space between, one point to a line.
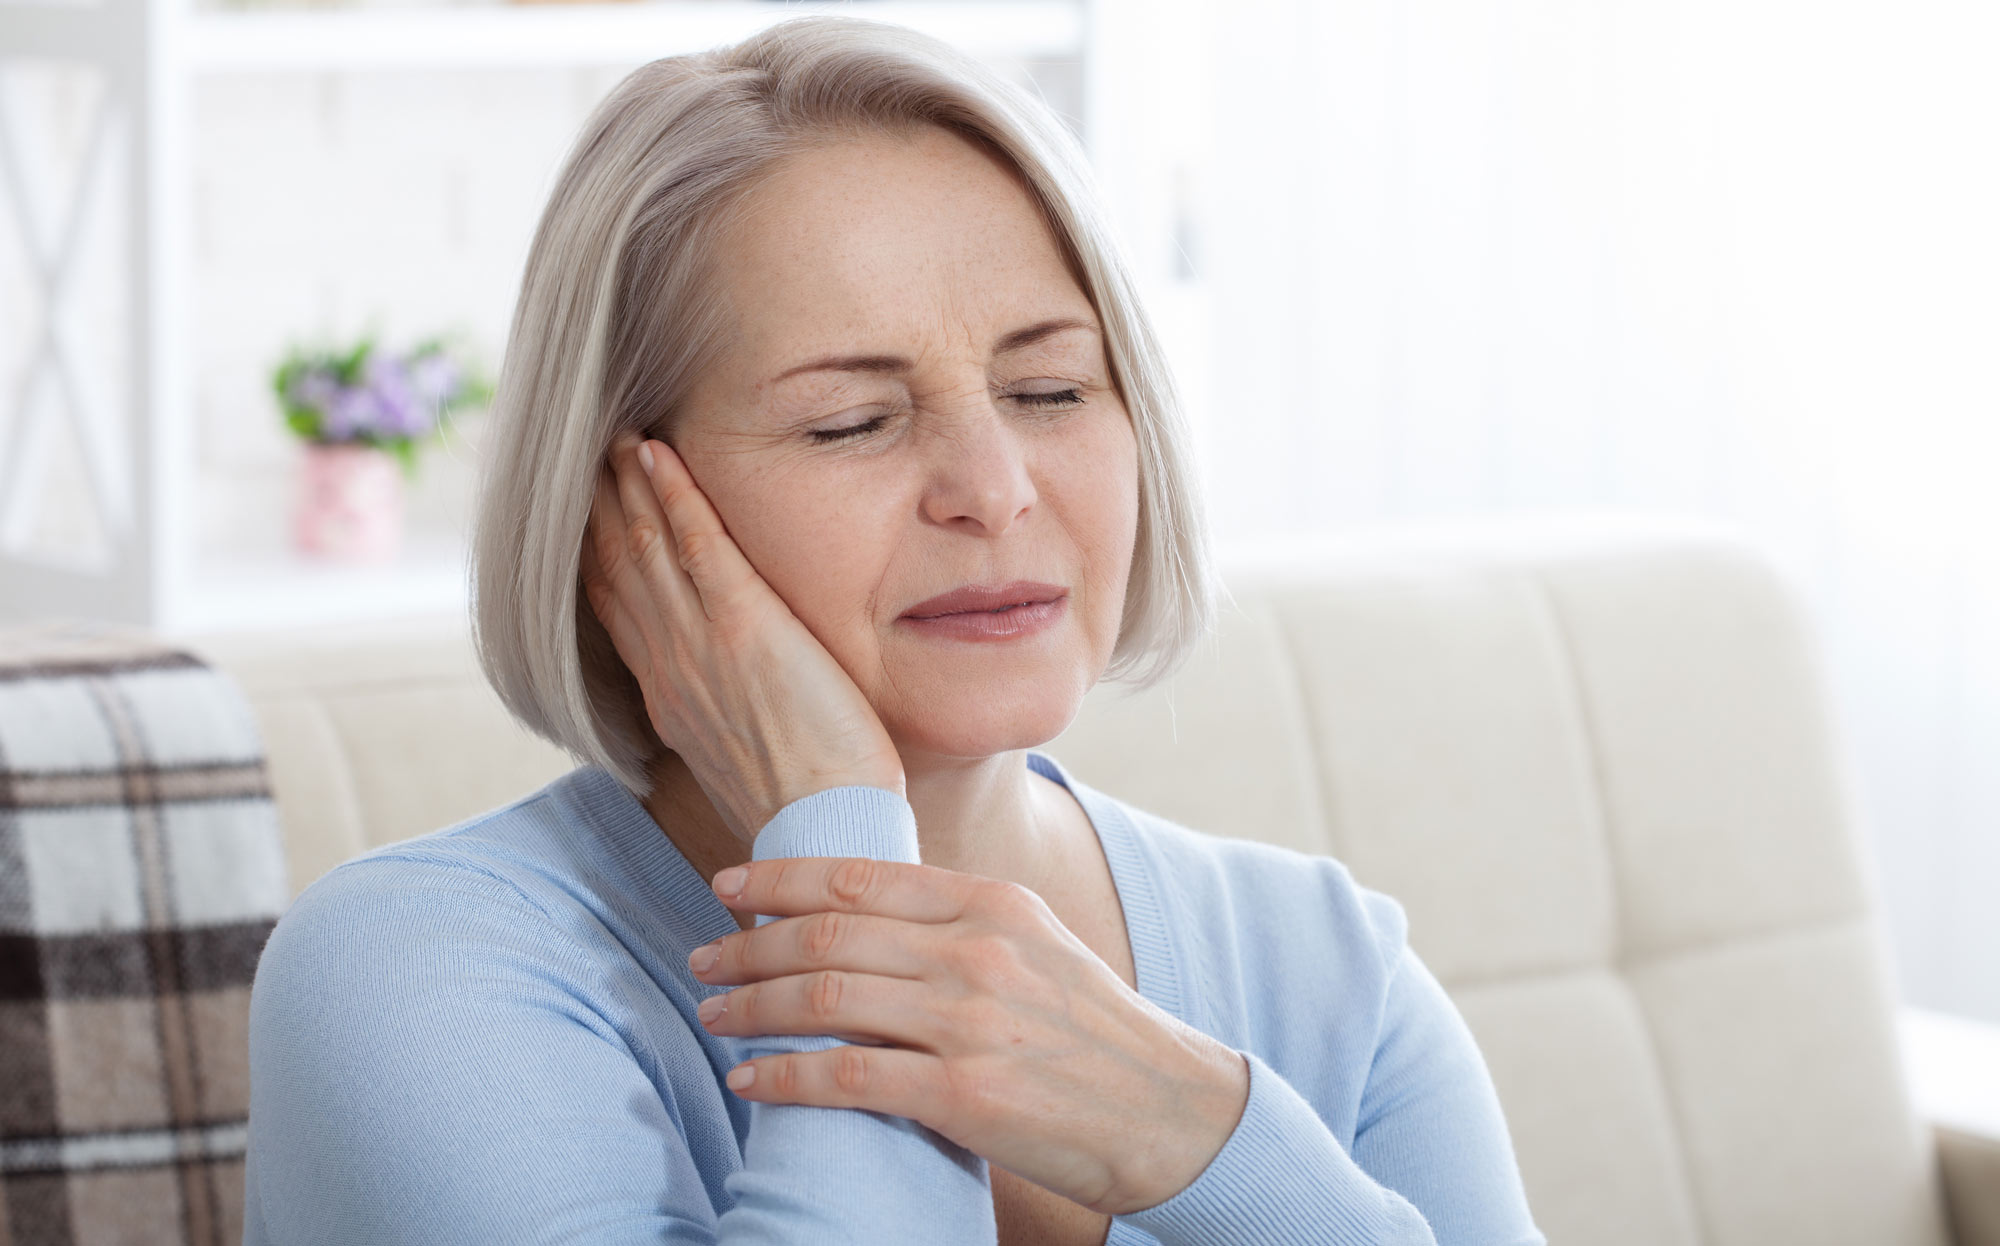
979 479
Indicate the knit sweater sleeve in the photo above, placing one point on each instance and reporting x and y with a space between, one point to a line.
845 1175
1432 1163
434 1059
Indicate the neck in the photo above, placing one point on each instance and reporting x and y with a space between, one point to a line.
989 816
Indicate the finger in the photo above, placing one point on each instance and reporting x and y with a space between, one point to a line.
835 1002
909 892
703 546
859 942
611 545
607 590
649 541
600 589
882 1079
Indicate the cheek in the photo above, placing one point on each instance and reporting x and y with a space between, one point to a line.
1104 488
816 544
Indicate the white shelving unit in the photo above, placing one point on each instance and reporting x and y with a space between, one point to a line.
571 34
138 439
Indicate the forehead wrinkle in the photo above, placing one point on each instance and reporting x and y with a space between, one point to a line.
957 238
857 256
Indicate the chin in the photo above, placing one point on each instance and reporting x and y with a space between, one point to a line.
981 724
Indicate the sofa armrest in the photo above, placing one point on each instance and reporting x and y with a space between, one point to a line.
1970 1166
1953 1067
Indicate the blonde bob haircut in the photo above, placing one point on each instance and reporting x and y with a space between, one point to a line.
616 319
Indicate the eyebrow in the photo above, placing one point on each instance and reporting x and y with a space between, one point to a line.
1014 341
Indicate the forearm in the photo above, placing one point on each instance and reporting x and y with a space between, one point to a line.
844 1175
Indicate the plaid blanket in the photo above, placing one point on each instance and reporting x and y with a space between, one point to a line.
141 871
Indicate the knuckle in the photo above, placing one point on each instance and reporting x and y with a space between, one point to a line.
642 538
822 935
823 994
1011 902
855 880
975 1093
785 1077
850 1070
774 877
696 552
988 961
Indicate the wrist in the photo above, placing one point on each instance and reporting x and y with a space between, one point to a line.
1213 1099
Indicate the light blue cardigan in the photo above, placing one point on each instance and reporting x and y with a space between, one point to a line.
487 1034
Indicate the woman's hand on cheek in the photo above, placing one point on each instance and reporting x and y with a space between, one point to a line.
1009 1036
748 697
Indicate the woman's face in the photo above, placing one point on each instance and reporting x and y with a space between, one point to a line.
908 290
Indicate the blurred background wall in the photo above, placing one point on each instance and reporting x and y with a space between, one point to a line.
1419 261
1732 259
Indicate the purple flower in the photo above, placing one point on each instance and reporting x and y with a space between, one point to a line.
400 410
350 414
396 399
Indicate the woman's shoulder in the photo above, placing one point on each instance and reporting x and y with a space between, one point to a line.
540 853
520 884
435 895
483 924
476 859
432 1030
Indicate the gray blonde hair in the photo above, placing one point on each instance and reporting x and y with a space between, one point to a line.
616 318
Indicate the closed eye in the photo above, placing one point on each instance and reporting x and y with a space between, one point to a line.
1051 398
823 435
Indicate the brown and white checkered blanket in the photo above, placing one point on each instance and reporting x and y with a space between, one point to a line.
141 871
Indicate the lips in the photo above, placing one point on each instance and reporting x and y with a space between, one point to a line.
978 597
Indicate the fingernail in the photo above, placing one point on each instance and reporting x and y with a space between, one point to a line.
730 881
646 456
741 1076
710 1008
702 959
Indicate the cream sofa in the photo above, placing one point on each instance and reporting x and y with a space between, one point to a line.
1596 766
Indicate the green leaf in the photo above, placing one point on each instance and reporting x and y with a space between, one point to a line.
350 365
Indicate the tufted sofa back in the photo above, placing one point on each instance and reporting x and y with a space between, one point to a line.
1596 766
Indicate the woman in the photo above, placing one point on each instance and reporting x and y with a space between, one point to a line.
835 463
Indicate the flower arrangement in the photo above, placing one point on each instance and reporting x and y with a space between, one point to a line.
370 397
357 410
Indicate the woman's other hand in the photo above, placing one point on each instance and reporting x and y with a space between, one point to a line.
755 706
1010 1036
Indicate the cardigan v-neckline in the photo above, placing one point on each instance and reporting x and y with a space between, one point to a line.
698 917
688 914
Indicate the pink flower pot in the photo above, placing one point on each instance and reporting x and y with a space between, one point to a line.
350 504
